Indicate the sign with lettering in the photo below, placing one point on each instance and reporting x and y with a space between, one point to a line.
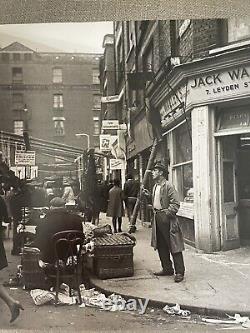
110 99
217 86
25 158
234 119
116 164
110 124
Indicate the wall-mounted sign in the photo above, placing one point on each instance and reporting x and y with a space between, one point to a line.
110 124
205 89
110 99
116 164
25 158
105 142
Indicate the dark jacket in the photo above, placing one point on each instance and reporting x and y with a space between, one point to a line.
55 220
115 203
131 189
170 205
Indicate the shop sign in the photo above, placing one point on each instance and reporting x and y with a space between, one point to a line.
110 124
110 99
25 158
116 164
217 86
105 142
186 210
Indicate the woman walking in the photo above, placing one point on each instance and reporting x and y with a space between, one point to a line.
13 305
115 205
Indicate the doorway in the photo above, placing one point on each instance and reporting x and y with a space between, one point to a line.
244 189
228 189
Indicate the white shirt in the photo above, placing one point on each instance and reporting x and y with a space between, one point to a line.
156 199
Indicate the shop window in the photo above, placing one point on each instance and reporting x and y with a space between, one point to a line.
59 126
57 75
17 75
17 101
18 127
238 29
57 101
96 126
182 164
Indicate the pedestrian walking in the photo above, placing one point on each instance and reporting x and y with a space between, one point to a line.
166 232
131 190
115 205
14 306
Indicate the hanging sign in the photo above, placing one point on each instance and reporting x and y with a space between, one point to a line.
110 99
110 124
105 142
116 164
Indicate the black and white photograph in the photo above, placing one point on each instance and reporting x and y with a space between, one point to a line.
124 166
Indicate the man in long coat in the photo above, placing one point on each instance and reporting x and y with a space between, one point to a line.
166 232
115 205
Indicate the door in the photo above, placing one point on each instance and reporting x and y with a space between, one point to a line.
228 187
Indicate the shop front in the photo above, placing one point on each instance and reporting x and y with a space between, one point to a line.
205 112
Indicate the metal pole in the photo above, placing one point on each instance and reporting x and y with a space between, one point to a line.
132 226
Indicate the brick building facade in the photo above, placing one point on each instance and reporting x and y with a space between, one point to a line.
195 75
52 95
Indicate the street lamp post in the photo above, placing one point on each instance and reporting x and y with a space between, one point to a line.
84 134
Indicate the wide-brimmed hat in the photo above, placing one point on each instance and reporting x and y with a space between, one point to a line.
160 166
57 202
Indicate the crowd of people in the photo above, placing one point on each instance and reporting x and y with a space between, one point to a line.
108 197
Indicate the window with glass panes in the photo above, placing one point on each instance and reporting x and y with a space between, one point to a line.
96 126
182 161
59 127
95 76
17 75
57 75
18 127
17 101
58 101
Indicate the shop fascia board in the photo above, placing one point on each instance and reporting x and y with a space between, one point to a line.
159 90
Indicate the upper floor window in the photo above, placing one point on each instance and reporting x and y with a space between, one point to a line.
17 101
18 127
57 101
27 56
97 102
96 126
5 56
59 126
16 56
95 76
238 29
57 75
17 75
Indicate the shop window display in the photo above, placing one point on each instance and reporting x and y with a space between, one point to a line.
182 166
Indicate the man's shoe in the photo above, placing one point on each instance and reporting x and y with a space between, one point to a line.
178 278
163 273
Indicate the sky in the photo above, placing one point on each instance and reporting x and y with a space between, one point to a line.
62 37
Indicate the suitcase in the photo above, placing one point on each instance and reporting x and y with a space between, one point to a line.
113 256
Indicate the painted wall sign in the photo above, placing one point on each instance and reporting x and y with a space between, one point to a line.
218 86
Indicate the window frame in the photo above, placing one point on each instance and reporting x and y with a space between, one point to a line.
15 76
57 78
18 130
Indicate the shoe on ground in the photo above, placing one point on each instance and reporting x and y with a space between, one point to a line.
178 278
163 273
